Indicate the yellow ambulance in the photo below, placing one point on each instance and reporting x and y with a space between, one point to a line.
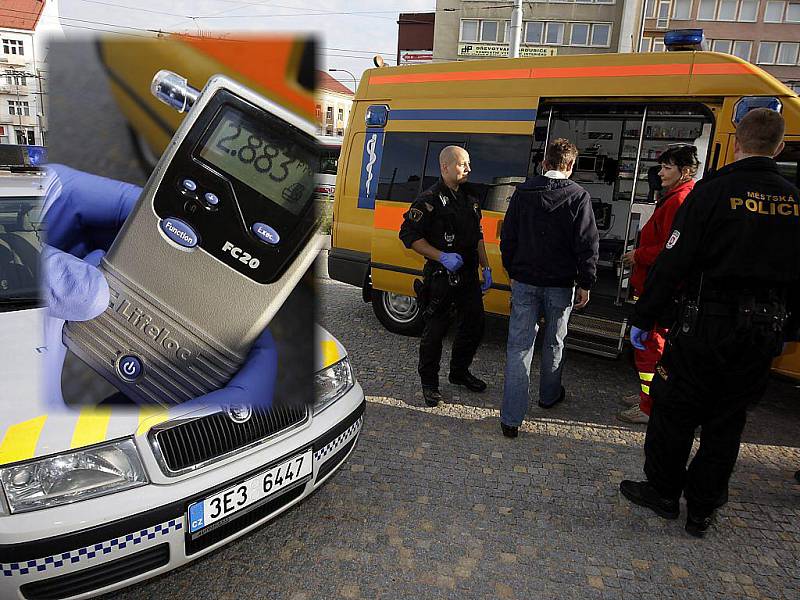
621 110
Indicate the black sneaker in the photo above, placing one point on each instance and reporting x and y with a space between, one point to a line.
432 396
644 494
468 380
509 430
697 526
560 398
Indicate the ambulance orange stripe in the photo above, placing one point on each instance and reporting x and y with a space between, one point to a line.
453 76
721 69
624 71
390 218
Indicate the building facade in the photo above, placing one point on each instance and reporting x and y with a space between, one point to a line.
415 38
334 101
467 29
764 32
25 28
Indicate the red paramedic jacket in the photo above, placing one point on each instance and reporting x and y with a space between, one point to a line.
656 232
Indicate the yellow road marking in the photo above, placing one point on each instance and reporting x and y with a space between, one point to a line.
150 416
19 442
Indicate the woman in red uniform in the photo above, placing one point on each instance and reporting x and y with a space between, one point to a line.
678 167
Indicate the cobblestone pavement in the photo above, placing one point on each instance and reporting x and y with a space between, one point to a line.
435 503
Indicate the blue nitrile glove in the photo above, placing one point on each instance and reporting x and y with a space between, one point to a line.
487 280
638 337
452 261
83 216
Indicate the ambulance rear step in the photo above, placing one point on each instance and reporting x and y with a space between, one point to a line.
595 335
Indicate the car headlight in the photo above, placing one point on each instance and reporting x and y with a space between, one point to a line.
332 383
73 476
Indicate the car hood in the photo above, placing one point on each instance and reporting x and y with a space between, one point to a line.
30 428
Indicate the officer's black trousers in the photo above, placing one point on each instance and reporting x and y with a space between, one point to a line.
710 382
468 302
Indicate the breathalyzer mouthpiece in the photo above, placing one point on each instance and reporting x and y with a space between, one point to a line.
174 90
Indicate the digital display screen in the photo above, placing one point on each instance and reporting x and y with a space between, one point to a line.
276 167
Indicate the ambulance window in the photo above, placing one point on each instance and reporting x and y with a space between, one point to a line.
498 163
788 162
401 166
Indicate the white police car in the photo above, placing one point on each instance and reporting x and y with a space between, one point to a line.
96 499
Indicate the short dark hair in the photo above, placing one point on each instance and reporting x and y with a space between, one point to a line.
681 156
560 153
761 131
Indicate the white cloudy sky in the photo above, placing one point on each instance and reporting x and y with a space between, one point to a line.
350 31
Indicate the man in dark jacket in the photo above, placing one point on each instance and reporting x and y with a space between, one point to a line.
734 258
549 242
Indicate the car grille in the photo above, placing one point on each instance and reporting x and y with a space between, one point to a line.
188 444
97 577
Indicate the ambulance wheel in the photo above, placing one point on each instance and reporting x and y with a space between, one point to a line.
398 313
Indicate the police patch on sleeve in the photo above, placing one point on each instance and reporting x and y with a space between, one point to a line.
673 239
414 215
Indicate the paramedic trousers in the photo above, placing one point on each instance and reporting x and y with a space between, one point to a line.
468 302
646 361
707 380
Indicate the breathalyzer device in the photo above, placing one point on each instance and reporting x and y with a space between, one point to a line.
223 231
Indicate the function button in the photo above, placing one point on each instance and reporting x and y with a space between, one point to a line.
189 185
266 233
211 198
129 368
179 232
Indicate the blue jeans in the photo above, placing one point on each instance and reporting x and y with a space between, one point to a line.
528 304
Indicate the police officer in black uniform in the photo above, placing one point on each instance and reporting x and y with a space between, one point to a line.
444 225
734 260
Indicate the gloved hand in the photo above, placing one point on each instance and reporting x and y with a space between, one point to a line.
83 216
452 261
639 337
487 279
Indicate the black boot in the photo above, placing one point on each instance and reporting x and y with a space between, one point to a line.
468 380
509 430
696 525
431 395
644 494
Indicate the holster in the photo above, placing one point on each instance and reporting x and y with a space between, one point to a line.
432 289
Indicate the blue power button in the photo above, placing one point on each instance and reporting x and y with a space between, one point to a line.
129 368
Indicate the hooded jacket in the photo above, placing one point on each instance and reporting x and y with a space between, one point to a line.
549 236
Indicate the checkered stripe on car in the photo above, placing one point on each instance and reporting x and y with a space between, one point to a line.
82 555
331 447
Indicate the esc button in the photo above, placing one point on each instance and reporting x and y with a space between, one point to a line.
266 233
129 368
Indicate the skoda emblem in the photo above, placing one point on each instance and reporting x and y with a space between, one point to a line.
240 413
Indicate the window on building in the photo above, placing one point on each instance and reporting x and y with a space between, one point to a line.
469 31
727 10
787 53
742 48
722 46
662 21
767 52
31 137
13 47
601 34
318 110
646 44
681 9
16 80
748 10
707 10
21 139
341 114
16 107
534 32
579 34
793 13
658 45
329 114
507 32
490 31
650 8
773 13
554 33
3 135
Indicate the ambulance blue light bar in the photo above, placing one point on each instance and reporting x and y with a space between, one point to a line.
683 39
748 103
377 115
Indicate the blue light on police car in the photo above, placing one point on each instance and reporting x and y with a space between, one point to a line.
683 39
37 155
748 103
377 115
